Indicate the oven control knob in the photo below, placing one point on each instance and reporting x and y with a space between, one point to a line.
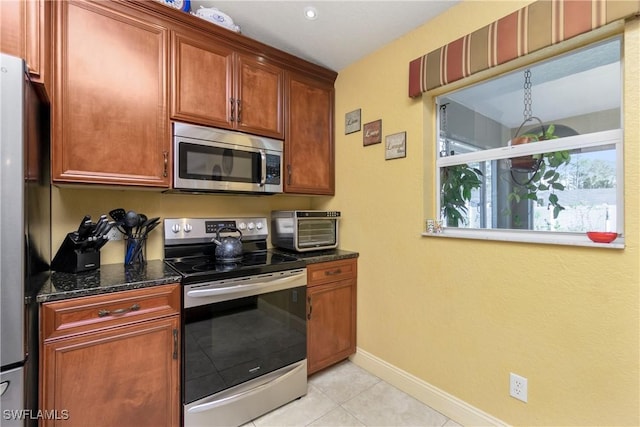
242 226
251 226
259 226
175 228
188 228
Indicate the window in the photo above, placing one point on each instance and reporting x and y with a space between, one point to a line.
536 152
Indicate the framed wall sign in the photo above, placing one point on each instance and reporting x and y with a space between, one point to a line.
395 146
372 133
352 122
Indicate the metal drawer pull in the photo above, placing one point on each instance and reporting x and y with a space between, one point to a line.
104 313
310 308
175 344
333 273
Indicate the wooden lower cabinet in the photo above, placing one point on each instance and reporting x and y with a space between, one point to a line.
123 373
331 319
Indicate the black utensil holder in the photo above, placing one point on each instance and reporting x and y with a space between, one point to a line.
73 258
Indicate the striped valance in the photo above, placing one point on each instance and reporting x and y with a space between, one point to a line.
538 25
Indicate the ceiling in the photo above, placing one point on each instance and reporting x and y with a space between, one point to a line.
343 32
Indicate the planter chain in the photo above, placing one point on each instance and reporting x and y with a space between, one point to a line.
527 113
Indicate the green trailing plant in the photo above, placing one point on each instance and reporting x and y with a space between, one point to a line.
457 182
545 176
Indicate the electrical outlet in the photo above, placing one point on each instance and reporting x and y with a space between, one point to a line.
518 387
114 234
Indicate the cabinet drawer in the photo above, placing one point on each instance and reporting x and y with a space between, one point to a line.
80 315
332 271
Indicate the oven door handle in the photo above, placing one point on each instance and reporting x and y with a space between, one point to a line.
230 399
202 293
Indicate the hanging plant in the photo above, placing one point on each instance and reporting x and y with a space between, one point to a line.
545 176
457 182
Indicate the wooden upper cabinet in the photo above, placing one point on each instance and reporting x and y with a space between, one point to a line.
24 27
213 85
110 96
259 96
309 154
202 81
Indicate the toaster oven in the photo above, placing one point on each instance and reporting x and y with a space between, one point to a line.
304 231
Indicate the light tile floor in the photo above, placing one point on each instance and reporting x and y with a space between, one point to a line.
347 395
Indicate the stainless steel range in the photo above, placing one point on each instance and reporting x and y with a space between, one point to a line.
244 320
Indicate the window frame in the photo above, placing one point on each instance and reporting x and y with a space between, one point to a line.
609 137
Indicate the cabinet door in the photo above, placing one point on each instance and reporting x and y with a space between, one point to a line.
126 376
309 156
24 25
260 87
331 326
202 90
109 109
13 27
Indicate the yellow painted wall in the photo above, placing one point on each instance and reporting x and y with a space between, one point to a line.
69 205
462 314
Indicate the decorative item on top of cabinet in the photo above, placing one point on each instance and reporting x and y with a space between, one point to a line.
24 29
331 312
215 85
109 100
309 154
119 349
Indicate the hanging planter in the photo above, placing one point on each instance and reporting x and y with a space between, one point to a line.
530 163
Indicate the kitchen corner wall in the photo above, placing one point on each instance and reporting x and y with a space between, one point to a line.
462 314
69 205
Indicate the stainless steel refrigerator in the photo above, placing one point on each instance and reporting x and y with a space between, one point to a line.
25 237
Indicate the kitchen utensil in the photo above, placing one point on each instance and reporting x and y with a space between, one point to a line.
142 220
118 215
150 227
229 248
602 236
130 222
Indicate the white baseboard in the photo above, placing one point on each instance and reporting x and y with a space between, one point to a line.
448 405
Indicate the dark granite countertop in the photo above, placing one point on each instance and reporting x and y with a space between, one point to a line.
109 278
115 277
314 257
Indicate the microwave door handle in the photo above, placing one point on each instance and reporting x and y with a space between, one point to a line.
263 177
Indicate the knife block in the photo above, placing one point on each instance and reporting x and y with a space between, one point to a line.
73 258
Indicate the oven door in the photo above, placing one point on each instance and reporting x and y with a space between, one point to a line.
245 347
227 162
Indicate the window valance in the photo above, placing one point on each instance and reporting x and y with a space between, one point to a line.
538 25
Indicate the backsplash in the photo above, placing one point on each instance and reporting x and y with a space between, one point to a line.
69 205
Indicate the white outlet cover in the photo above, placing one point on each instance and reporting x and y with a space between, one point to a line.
114 234
518 387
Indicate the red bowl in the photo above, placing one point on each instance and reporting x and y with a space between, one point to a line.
602 236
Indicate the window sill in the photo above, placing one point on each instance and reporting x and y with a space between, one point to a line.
525 236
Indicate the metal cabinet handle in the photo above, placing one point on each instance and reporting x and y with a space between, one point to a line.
166 163
119 311
333 272
289 174
175 344
310 308
233 109
239 110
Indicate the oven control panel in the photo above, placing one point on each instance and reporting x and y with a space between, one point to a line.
202 230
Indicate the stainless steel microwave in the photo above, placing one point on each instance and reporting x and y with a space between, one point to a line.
209 159
304 231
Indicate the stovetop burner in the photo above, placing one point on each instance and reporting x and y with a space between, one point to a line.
188 249
204 268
